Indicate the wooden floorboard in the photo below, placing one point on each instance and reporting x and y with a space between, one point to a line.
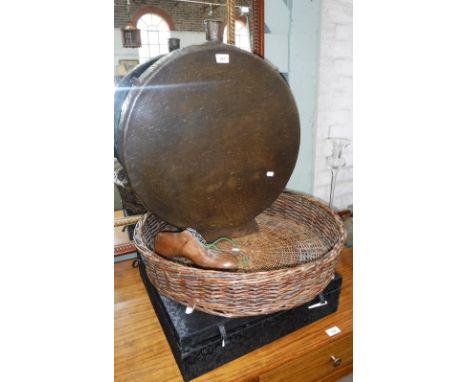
142 353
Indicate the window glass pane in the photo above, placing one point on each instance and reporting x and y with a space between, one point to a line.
242 36
154 50
144 37
141 24
244 42
163 37
146 18
163 26
143 51
157 19
153 37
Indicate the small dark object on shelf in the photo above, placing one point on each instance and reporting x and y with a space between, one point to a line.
174 43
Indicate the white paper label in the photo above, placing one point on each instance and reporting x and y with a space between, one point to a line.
332 331
222 58
188 310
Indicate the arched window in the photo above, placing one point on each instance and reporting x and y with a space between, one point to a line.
242 35
155 32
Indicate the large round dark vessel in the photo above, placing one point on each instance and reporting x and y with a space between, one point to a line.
208 136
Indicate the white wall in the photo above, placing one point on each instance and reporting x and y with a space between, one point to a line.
335 98
311 41
277 19
292 45
304 39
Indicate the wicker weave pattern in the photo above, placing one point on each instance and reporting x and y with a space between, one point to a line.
130 200
245 293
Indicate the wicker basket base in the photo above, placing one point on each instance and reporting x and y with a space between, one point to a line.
251 292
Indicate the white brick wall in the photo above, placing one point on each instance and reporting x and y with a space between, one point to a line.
335 102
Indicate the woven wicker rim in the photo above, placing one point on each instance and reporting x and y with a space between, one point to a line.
236 294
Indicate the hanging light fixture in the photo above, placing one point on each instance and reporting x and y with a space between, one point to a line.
131 36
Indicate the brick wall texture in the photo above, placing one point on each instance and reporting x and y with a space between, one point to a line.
335 98
186 16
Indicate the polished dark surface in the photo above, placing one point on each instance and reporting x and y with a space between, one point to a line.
195 339
205 144
120 94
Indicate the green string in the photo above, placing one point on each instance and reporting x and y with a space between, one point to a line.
214 245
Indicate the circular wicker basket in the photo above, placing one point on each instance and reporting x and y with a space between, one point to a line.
249 293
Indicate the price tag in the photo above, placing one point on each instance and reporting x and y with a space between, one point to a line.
188 310
222 58
333 331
